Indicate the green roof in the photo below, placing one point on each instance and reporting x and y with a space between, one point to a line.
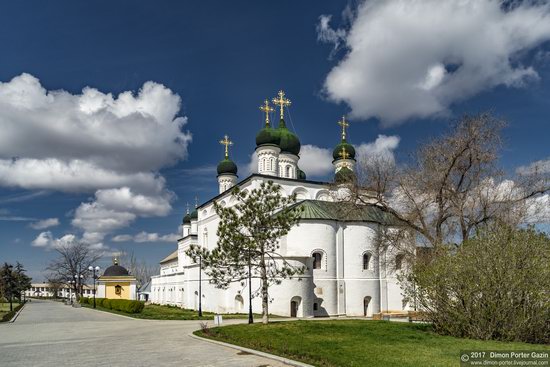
227 166
288 141
344 212
348 148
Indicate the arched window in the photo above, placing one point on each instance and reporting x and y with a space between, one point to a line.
366 261
399 261
271 164
287 171
317 258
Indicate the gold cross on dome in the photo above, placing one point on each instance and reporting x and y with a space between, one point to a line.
225 141
267 109
344 125
343 154
282 102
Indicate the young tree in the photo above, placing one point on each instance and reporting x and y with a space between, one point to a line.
8 283
73 259
249 234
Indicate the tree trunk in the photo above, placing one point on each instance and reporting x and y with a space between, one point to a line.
11 303
265 294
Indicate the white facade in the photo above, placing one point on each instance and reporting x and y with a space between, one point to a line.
225 182
45 290
350 279
268 160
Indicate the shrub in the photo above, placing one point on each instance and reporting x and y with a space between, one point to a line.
123 305
493 286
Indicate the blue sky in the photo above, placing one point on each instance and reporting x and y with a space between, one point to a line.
402 77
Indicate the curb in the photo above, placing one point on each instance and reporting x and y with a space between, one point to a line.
253 351
17 314
111 313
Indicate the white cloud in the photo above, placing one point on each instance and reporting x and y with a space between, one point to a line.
45 223
383 147
74 175
409 59
146 237
327 34
116 208
46 240
315 161
122 238
538 167
107 132
113 146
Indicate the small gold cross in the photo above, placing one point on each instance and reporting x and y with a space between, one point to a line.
225 141
282 102
343 154
267 109
344 125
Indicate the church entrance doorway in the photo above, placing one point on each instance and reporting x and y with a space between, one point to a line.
239 303
294 306
366 302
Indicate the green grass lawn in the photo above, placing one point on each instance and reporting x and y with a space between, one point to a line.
361 343
5 308
156 312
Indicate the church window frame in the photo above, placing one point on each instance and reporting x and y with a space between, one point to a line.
262 165
366 260
399 259
319 259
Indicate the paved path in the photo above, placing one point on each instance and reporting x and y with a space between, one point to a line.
52 334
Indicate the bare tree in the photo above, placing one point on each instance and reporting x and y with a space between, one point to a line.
138 268
73 259
452 186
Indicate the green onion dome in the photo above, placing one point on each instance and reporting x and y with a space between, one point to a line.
227 167
348 148
344 175
267 136
187 219
194 215
289 142
301 174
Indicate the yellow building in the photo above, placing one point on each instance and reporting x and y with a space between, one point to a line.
117 283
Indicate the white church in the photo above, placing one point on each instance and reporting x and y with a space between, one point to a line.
345 276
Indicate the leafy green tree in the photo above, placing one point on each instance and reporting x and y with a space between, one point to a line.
249 234
8 283
495 285
23 282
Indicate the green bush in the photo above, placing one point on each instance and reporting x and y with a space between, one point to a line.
493 286
84 300
123 305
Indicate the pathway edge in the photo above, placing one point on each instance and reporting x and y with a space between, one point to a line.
253 351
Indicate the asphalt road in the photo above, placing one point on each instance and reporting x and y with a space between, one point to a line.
52 334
